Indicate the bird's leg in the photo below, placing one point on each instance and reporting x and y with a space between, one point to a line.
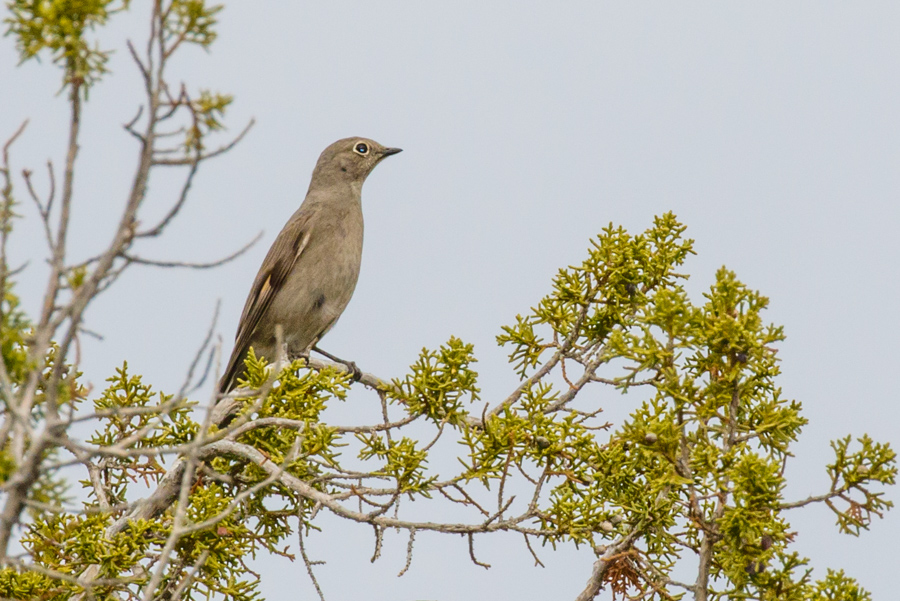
290 355
355 372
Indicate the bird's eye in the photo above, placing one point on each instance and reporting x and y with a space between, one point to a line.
362 148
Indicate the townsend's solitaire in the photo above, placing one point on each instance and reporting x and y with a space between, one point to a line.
308 277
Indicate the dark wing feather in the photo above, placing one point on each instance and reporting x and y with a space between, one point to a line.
274 271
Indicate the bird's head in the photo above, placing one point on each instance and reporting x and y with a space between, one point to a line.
350 160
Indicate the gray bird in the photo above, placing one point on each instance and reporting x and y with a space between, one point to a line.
309 275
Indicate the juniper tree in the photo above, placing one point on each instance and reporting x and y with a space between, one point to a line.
172 500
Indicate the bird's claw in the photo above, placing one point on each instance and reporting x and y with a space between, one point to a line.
355 372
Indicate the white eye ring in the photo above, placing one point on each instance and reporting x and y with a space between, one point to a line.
361 148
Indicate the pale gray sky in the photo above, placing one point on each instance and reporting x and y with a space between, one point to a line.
771 129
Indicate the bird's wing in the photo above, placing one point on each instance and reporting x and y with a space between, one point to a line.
279 262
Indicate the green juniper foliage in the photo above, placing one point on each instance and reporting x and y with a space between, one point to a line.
157 502
61 27
698 464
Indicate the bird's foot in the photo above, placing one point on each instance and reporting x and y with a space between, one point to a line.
291 357
355 372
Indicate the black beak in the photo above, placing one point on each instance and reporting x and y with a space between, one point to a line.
389 151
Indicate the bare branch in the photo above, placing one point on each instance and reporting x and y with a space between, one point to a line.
486 566
814 499
537 561
218 263
207 155
43 211
12 140
176 208
183 391
409 551
129 127
379 539
304 489
145 72
309 564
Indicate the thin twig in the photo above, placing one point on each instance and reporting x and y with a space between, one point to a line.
379 539
537 561
409 551
208 155
486 566
193 265
309 564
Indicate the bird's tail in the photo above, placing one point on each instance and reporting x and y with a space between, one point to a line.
234 369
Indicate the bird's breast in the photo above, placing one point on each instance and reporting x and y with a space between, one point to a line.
317 290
